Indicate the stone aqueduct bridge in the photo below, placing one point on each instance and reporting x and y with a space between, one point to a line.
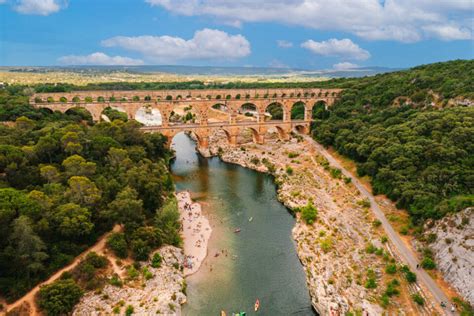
201 101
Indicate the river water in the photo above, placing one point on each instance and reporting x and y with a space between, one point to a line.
260 261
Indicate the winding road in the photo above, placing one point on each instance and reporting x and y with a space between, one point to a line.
402 249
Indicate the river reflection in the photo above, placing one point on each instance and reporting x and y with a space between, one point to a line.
260 261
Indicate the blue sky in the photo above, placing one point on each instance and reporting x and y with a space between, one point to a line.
315 34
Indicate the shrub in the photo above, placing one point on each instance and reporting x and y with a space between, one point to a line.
129 311
418 299
293 155
376 223
59 297
309 213
156 260
391 268
117 243
370 248
410 276
98 262
289 170
428 263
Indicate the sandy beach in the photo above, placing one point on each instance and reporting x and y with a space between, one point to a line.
196 232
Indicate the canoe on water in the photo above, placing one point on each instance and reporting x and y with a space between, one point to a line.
257 305
223 313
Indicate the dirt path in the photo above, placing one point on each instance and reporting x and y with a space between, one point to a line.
98 247
403 250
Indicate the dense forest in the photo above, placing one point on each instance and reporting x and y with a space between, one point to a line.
401 130
64 182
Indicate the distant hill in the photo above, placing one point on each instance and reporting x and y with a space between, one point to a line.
210 70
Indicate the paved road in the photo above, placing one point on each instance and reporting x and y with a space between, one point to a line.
402 249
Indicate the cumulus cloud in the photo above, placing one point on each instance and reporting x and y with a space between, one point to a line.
284 44
206 44
400 20
37 7
345 66
344 48
99 58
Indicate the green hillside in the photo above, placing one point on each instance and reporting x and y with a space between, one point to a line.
404 132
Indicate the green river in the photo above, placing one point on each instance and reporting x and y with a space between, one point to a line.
260 261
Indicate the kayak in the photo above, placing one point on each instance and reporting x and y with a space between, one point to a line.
257 305
237 230
250 219
223 313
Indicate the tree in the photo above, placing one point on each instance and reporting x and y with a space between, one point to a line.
50 173
127 209
73 220
28 247
71 143
76 165
117 243
82 191
59 297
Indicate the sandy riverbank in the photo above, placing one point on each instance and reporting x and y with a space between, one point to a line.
196 231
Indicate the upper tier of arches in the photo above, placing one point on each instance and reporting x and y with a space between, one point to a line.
181 95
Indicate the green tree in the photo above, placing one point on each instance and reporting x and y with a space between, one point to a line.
28 247
76 165
59 297
82 191
73 220
127 209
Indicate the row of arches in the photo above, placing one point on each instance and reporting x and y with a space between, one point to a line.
149 98
186 113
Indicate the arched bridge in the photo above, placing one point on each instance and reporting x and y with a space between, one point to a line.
202 111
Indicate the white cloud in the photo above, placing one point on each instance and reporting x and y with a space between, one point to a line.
448 32
400 20
345 66
37 7
206 44
284 44
99 59
343 48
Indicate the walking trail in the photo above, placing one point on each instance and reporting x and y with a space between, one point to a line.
402 249
98 247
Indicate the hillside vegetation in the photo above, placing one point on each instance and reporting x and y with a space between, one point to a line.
394 126
64 182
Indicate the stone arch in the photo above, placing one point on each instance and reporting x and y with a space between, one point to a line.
302 129
319 110
298 110
111 113
148 116
81 113
219 112
275 111
257 138
248 111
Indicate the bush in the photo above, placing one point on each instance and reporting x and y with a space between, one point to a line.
428 263
117 243
129 311
418 299
98 262
59 297
391 268
289 170
309 213
410 276
156 260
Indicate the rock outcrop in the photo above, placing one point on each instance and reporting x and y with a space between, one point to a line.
161 293
453 247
